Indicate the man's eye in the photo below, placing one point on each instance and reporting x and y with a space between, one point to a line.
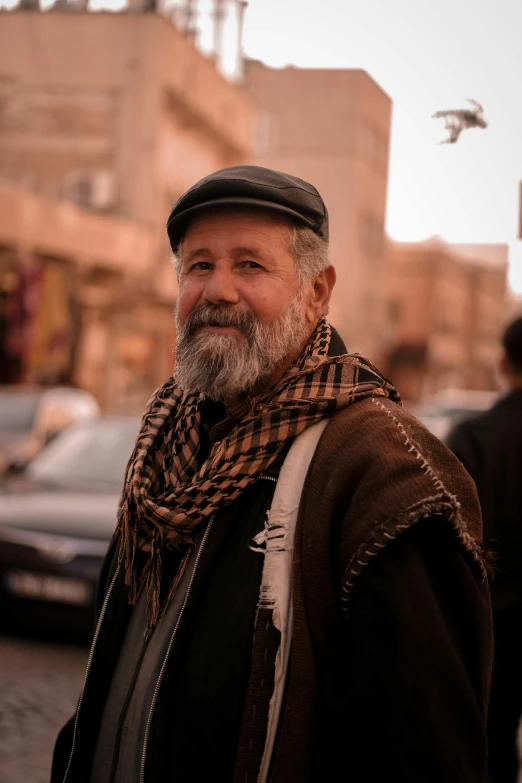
250 264
200 266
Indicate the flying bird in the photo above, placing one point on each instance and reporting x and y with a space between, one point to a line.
457 120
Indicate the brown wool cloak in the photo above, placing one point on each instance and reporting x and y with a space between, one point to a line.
376 472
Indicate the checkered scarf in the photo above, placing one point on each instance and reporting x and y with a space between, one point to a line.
168 494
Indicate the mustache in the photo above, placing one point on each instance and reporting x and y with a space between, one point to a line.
219 315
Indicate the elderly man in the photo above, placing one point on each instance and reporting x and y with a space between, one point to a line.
295 591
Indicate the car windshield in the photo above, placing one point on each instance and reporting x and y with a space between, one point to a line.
94 452
17 411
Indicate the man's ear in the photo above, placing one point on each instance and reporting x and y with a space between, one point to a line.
321 293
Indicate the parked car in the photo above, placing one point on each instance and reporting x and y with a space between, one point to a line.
441 412
56 520
31 417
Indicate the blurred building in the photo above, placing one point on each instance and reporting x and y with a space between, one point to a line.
332 128
105 119
446 310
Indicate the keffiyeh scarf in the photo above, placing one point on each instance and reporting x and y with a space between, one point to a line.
168 493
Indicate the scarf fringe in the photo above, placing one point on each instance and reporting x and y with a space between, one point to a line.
150 577
152 580
128 550
175 583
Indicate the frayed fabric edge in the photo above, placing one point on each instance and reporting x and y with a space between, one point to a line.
276 542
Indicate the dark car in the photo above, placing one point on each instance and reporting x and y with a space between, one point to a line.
56 520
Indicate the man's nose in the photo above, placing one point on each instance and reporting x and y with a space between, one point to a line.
221 287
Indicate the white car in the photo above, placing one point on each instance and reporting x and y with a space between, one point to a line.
31 417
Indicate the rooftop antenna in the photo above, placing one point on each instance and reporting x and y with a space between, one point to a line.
241 9
190 14
219 14
28 5
142 6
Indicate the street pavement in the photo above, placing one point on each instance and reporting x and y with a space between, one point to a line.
39 686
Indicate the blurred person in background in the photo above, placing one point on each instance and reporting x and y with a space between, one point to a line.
490 447
259 621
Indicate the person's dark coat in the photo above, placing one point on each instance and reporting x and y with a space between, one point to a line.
490 447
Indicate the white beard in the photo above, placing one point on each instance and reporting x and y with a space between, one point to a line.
225 365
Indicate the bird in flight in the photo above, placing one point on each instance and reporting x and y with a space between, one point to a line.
457 120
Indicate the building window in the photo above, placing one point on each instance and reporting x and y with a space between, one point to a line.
374 147
394 310
448 318
94 190
263 132
369 143
372 235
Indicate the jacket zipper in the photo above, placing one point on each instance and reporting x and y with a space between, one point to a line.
89 661
169 648
269 478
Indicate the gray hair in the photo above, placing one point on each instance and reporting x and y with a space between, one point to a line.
310 251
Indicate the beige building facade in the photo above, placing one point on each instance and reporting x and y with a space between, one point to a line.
68 295
105 119
332 128
446 310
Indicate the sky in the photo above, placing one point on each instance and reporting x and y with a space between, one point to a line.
427 56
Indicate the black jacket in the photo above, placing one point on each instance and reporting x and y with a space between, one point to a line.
490 447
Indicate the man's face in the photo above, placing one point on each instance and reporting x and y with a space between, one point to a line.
242 315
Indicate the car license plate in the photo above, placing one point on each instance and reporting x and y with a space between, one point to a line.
43 587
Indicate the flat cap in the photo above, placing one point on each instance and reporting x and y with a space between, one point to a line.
253 186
